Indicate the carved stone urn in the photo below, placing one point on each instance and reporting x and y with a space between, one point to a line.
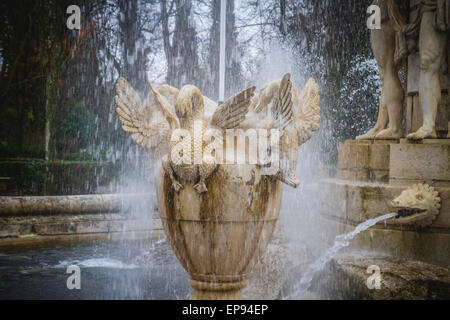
219 235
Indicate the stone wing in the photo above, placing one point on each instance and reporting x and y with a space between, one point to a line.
231 113
282 107
308 111
150 125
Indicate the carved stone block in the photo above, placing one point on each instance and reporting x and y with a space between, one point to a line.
428 162
364 160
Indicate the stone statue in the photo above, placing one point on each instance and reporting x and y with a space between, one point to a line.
168 108
418 205
220 216
427 32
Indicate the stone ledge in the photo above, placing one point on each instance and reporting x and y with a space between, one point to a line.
56 205
421 161
346 276
113 236
18 228
393 161
426 141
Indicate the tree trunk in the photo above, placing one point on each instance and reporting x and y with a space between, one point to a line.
134 65
51 92
181 52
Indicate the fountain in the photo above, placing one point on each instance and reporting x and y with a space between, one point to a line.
220 215
217 197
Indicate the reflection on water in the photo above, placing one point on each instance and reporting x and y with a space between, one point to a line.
109 270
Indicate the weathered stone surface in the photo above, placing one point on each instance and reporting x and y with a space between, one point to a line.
425 162
219 235
399 163
353 174
357 202
430 247
267 277
344 204
379 156
39 227
353 156
364 160
10 206
346 277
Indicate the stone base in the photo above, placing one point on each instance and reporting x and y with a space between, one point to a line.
364 160
217 295
360 194
342 205
217 290
346 278
103 217
425 161
395 161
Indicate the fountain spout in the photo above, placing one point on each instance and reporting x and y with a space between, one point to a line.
417 206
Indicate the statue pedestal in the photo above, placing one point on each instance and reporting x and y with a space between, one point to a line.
217 291
364 160
425 161
395 161
373 173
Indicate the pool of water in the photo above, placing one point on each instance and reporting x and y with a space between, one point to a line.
109 270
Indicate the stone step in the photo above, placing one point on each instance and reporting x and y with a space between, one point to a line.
395 161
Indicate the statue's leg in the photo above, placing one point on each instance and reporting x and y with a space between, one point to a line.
391 98
392 92
432 50
169 170
204 170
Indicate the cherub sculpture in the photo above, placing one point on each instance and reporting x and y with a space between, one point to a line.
166 109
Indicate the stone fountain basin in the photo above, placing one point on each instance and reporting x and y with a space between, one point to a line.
219 235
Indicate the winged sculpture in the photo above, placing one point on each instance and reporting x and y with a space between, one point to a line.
276 106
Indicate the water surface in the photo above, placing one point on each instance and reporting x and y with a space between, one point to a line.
109 270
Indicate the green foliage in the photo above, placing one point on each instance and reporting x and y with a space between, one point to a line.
76 131
39 177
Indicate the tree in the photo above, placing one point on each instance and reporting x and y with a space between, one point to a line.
134 49
181 48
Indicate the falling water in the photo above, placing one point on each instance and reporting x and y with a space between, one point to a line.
223 18
340 242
